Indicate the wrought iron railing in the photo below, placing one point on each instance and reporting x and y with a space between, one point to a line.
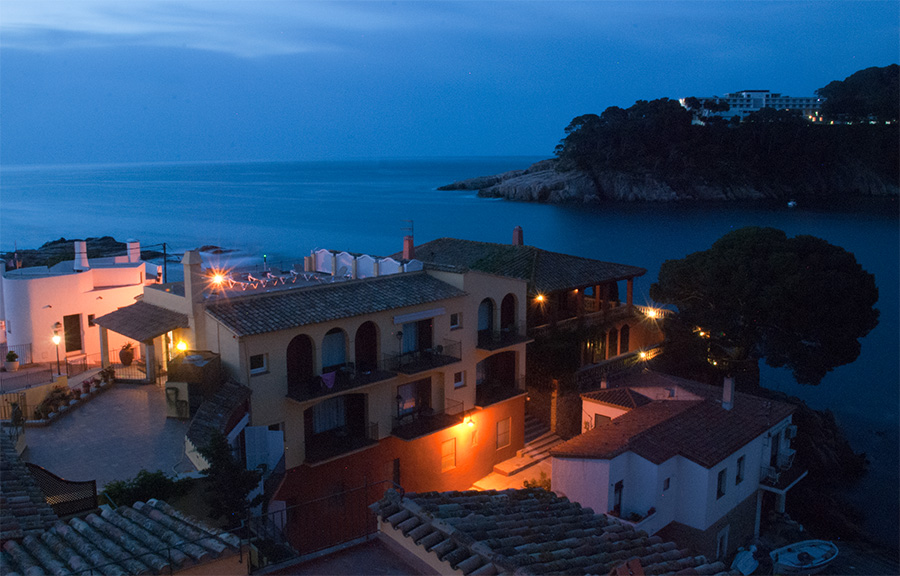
415 361
333 443
497 390
11 381
341 380
23 351
64 496
496 339
425 421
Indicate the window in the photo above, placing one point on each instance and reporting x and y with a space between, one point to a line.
459 379
722 542
448 455
455 321
91 320
503 433
258 364
739 475
666 484
720 486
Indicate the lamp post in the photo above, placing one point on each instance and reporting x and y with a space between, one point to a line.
56 340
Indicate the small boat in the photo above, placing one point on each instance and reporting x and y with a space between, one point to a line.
792 204
807 557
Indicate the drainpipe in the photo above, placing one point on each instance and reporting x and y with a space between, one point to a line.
728 393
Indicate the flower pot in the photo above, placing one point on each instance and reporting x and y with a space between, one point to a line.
126 356
11 366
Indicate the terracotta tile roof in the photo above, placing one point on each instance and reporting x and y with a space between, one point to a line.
624 397
142 321
529 531
543 270
258 314
214 414
699 430
147 538
23 509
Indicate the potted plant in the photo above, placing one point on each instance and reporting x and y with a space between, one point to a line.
126 354
12 361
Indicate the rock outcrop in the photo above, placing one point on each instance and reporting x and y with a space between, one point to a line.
547 181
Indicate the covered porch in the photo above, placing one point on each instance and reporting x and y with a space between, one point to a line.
148 325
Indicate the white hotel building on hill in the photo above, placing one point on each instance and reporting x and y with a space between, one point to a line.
746 101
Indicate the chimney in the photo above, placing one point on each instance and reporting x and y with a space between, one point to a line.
409 248
194 280
728 393
604 382
81 259
518 236
134 251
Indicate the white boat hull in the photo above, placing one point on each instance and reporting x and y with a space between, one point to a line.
807 557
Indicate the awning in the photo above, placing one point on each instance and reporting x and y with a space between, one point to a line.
142 321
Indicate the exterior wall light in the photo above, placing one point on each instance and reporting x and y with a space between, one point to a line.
181 346
469 422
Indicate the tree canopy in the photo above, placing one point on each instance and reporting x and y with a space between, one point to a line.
229 483
799 302
873 93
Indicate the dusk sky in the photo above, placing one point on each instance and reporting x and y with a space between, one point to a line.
108 81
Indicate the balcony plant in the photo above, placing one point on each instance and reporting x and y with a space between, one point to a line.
12 361
126 354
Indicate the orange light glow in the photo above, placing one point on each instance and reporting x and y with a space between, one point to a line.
643 355
181 346
539 298
652 313
469 422
56 339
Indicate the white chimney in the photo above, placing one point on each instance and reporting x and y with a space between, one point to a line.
194 280
81 259
134 251
409 248
518 236
604 382
728 393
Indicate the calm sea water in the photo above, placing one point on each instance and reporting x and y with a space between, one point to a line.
284 210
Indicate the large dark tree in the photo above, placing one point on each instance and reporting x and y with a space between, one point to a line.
229 483
797 302
871 93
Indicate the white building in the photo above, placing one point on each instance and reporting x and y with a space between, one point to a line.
38 302
680 458
747 101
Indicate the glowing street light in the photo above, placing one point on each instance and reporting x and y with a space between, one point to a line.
181 346
56 340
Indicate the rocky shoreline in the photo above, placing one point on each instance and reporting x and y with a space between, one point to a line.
548 182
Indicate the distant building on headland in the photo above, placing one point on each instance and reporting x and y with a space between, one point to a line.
744 102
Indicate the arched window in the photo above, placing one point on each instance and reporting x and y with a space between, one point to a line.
366 347
334 350
508 312
613 343
623 339
300 361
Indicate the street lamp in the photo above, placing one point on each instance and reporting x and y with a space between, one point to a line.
56 340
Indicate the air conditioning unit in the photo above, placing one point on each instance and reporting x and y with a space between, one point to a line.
790 432
786 458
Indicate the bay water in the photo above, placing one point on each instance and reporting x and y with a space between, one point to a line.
285 209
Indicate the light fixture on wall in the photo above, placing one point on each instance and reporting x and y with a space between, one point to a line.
181 346
469 422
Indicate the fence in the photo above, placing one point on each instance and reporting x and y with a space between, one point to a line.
64 496
23 350
11 382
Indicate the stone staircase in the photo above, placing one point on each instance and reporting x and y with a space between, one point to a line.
538 443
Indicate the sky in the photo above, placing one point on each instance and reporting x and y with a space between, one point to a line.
113 81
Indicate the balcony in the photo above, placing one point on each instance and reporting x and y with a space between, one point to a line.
421 360
345 378
338 441
617 311
425 421
496 339
494 391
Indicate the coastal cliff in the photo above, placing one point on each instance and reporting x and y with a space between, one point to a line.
546 181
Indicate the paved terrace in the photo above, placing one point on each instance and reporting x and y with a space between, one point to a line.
112 437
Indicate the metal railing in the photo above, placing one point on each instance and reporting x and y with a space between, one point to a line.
10 382
23 350
608 315
64 496
493 391
500 338
333 443
345 378
425 421
448 352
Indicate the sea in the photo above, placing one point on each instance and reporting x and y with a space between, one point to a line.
277 212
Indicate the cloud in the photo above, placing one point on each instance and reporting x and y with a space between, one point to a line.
238 27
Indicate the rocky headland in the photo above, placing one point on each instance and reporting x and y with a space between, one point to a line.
548 181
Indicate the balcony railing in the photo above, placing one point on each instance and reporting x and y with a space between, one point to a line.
494 391
344 378
332 443
611 314
421 360
496 339
425 421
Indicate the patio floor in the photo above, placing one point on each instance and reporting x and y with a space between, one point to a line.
112 437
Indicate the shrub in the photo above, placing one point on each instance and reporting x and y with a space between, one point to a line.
11 356
542 482
146 485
